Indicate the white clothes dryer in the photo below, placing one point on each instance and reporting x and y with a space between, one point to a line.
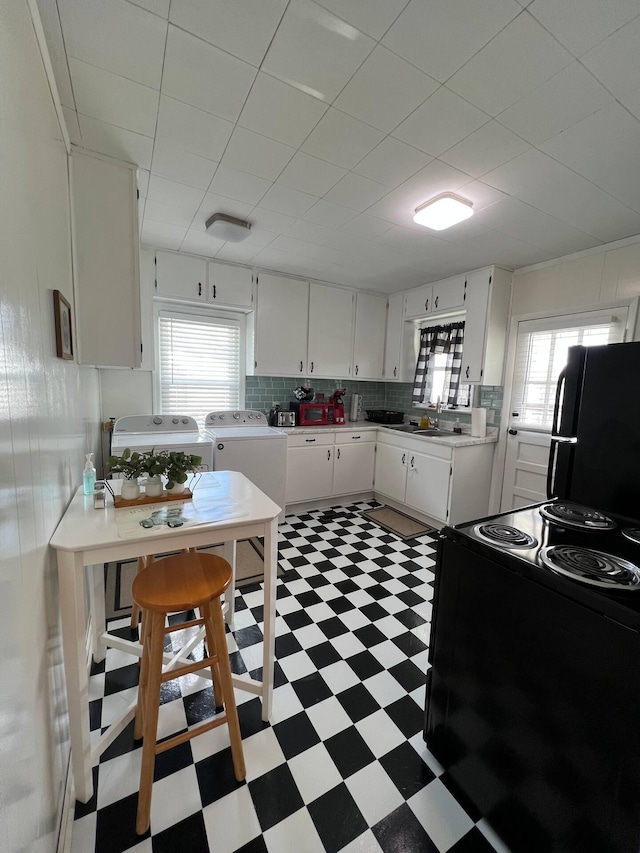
162 432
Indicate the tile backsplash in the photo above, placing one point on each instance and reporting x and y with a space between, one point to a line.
262 391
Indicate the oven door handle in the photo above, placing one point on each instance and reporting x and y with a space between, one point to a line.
556 406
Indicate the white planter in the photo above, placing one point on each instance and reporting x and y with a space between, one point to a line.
130 490
177 488
154 487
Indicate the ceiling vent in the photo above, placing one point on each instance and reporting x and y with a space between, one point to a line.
227 228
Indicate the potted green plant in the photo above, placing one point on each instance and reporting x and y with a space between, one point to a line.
131 466
179 466
155 465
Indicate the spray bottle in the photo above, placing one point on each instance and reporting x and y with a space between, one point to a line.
89 475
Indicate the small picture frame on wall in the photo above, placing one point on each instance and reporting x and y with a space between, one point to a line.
62 315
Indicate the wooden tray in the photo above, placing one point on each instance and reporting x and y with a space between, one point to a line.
186 495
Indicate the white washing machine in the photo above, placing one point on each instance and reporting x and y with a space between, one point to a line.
243 441
162 432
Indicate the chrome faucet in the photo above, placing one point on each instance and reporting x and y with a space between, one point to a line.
435 422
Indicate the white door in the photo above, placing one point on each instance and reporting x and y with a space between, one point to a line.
428 481
393 339
309 473
391 471
281 326
181 276
450 293
230 285
525 468
353 468
330 331
368 346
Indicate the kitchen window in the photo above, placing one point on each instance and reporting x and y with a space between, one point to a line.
199 362
439 365
541 353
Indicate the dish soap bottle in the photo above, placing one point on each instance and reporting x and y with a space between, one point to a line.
457 428
89 475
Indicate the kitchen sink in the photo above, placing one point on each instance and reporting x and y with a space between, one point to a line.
414 429
429 431
403 427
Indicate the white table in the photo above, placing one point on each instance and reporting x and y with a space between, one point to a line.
89 537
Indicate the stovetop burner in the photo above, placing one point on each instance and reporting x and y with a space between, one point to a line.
632 533
592 567
504 534
573 515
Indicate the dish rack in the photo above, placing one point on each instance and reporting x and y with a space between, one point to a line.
384 416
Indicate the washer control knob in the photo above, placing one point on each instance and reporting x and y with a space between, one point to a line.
259 416
185 420
250 417
157 420
175 420
221 417
236 416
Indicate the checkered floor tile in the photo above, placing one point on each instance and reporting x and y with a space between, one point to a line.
343 766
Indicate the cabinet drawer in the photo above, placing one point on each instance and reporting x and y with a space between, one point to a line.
355 437
310 439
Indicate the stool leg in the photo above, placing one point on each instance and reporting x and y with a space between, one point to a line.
211 650
144 675
136 610
151 709
215 621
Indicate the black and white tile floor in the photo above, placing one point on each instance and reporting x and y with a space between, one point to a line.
343 765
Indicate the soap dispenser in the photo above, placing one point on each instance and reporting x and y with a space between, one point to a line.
89 475
457 428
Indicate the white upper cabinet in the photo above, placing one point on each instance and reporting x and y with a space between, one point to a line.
449 295
368 343
485 331
393 339
181 276
330 331
230 286
418 302
106 262
282 314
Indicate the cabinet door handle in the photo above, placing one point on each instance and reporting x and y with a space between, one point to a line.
355 437
426 304
395 371
312 367
328 455
300 367
199 288
356 369
338 453
513 432
309 440
404 456
412 458
467 372
436 302
214 291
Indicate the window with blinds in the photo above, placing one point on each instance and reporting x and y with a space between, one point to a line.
199 363
541 353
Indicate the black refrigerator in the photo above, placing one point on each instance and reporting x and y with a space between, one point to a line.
595 441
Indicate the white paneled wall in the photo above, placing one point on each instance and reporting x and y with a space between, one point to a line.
49 412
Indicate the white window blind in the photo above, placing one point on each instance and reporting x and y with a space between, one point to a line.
541 353
199 363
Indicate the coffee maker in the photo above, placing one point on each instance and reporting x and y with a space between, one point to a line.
338 406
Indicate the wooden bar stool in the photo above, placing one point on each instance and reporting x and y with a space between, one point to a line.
183 582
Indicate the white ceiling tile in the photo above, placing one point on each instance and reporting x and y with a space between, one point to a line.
285 243
341 139
367 226
271 259
203 75
310 232
224 24
271 220
566 98
259 237
162 234
523 171
256 154
578 202
440 36
143 182
50 18
172 162
315 51
192 129
310 175
115 141
279 111
581 24
115 36
331 215
356 192
73 128
168 213
115 100
170 192
239 253
384 90
373 17
239 185
485 149
615 63
285 200
517 60
501 249
601 149
201 243
481 194
212 203
443 120
158 7
391 162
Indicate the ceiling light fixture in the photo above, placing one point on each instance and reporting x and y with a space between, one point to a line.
227 228
443 211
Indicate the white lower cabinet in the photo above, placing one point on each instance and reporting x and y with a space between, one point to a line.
445 483
317 468
353 465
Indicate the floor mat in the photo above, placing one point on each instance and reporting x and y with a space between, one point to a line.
403 526
119 575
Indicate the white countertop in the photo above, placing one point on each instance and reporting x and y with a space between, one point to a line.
449 439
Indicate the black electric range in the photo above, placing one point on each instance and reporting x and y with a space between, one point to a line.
533 694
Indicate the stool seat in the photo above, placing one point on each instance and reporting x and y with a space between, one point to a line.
186 581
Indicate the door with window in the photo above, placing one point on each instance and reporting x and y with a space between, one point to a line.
540 354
